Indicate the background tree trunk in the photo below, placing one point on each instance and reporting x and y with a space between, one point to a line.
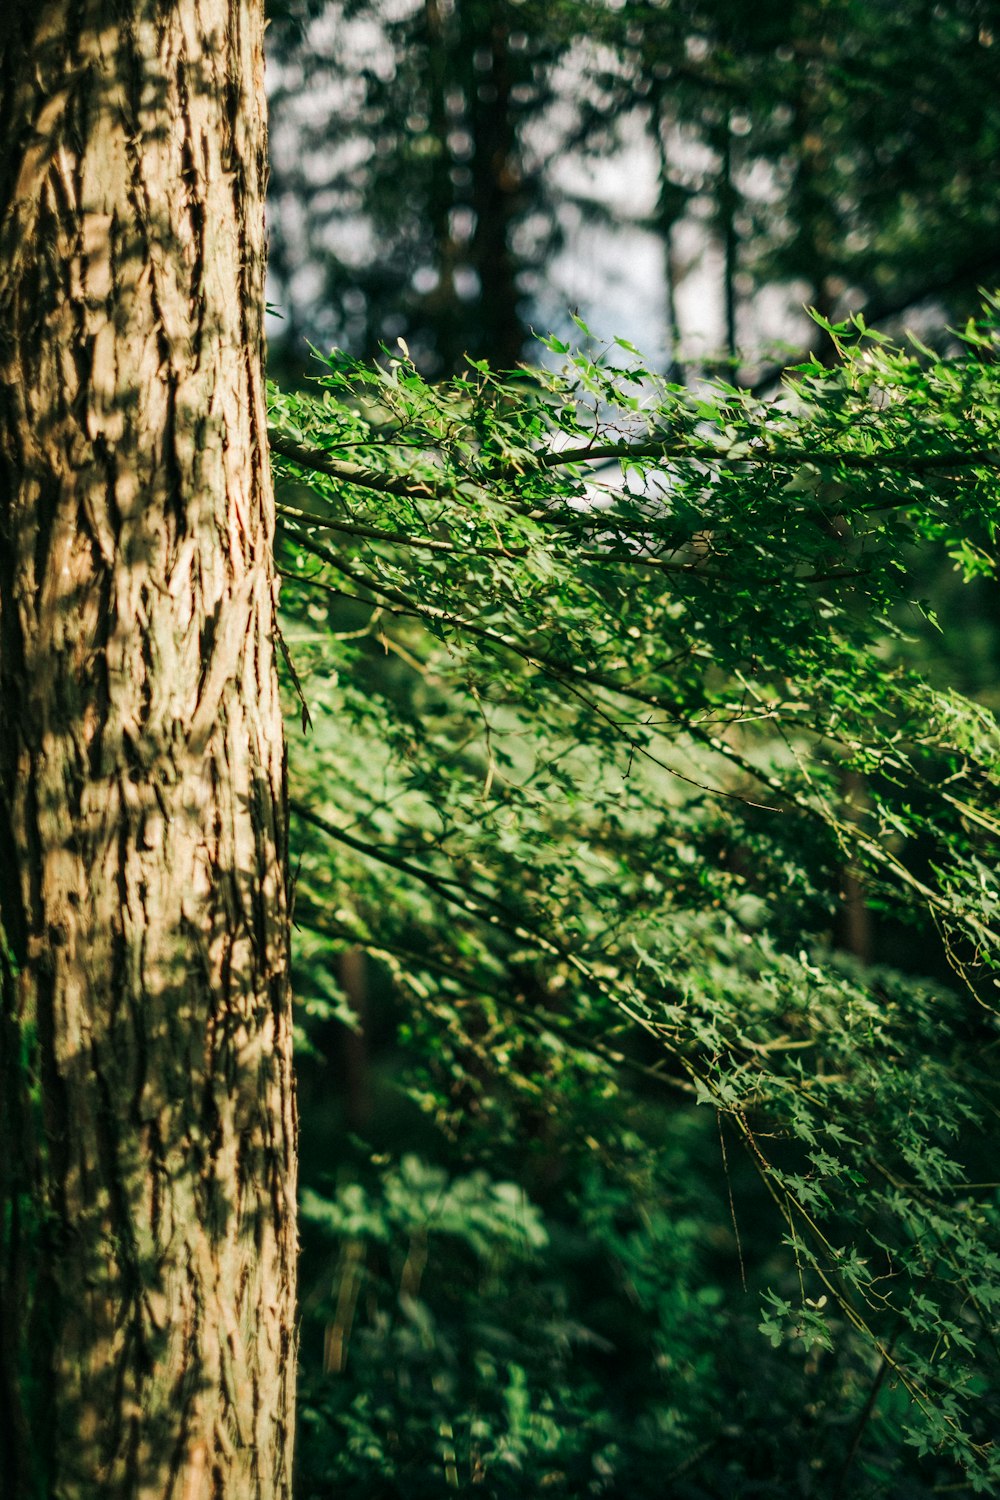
147 1125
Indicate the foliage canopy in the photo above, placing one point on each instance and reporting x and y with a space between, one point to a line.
613 708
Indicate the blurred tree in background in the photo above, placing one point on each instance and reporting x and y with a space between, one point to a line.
404 201
644 840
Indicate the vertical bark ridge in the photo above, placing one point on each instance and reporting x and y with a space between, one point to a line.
147 1268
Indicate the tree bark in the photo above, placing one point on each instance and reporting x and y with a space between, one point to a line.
147 1127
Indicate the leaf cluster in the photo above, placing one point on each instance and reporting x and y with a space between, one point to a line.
611 702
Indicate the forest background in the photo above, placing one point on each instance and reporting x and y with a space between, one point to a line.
643 811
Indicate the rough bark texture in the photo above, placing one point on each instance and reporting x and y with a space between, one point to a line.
146 1110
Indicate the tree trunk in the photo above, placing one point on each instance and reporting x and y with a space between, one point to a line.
496 187
147 1125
